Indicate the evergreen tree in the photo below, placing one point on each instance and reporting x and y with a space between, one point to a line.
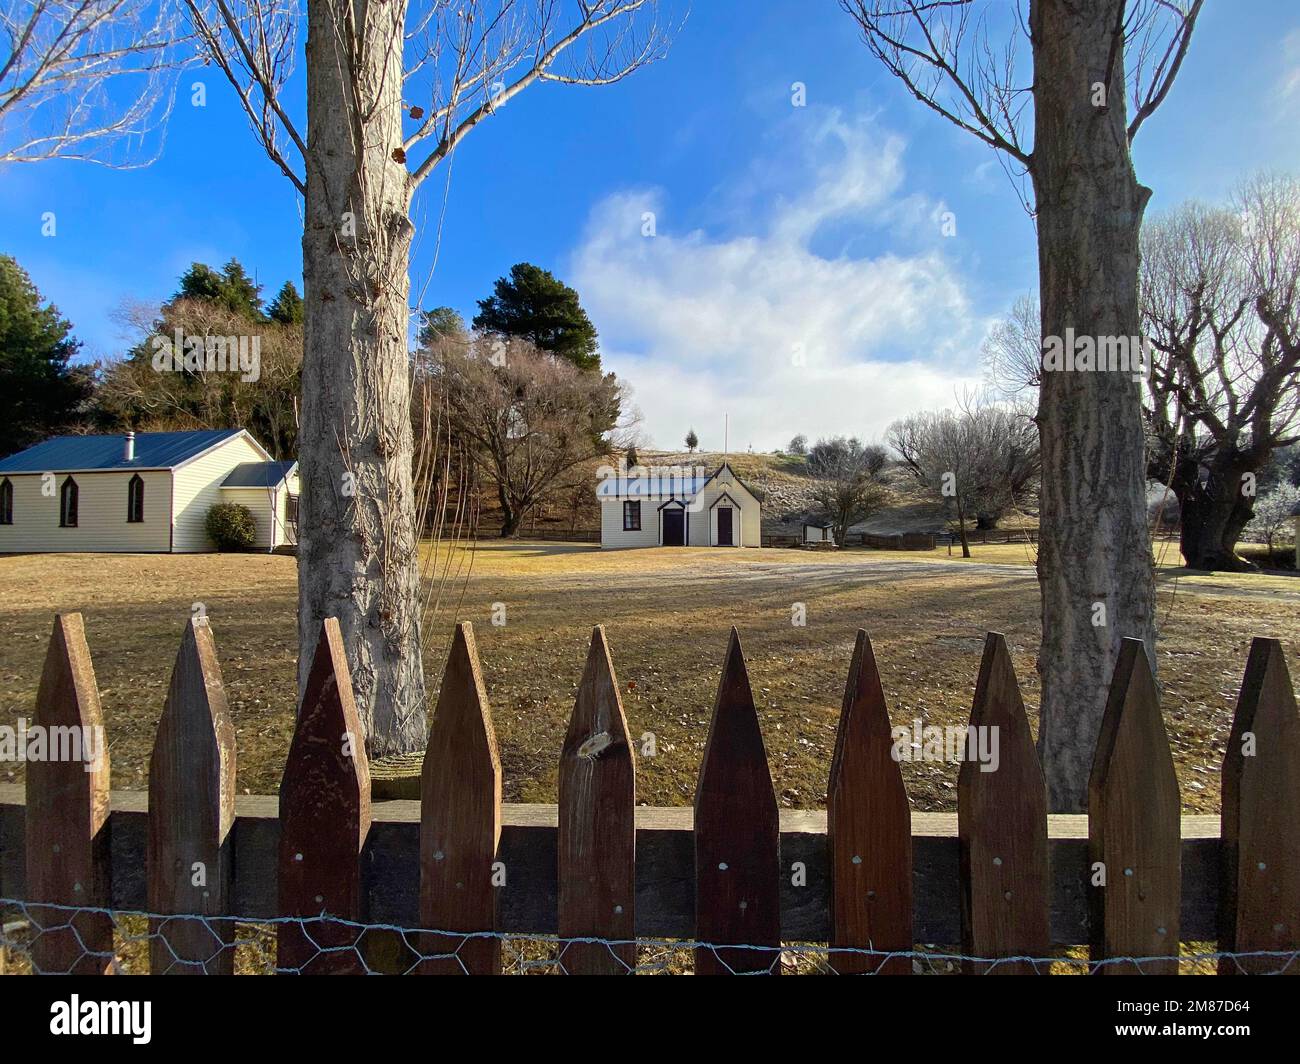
532 303
440 323
40 393
231 287
286 308
692 441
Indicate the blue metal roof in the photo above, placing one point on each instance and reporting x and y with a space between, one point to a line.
650 485
257 474
153 450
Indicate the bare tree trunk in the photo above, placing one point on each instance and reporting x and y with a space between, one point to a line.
1094 559
357 531
510 517
1214 514
961 528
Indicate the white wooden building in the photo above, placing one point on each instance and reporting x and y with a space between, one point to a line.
652 507
144 492
818 532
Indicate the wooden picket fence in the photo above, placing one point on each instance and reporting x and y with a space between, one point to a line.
873 882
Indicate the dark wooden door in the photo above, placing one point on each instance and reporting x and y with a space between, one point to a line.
674 528
724 526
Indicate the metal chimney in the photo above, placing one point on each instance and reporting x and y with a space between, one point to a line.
128 450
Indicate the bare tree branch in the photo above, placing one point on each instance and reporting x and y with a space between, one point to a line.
253 43
70 66
479 61
1149 92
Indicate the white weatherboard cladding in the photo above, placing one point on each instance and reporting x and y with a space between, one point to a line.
197 488
270 510
101 514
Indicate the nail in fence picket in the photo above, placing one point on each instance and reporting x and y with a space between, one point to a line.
67 834
596 836
737 836
868 831
324 822
1002 826
1260 890
460 822
1133 827
189 865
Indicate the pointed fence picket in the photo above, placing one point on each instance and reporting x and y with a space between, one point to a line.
737 836
324 822
189 859
67 828
1002 826
1260 891
320 888
460 822
1134 845
868 832
596 830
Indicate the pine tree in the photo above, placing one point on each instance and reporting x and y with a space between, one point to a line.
692 441
231 287
534 304
40 392
287 307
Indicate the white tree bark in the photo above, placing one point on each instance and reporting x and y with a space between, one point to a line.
1094 556
357 520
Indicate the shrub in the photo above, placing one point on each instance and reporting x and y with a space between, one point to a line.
231 526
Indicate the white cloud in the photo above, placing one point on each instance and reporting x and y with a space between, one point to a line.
763 321
1289 84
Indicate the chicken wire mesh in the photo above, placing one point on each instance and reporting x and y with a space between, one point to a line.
249 947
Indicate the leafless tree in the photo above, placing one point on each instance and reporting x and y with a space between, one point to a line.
847 489
532 419
392 90
1219 308
85 79
981 459
1096 73
133 390
1274 515
1013 351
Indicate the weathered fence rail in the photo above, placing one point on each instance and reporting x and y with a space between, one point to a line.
1132 879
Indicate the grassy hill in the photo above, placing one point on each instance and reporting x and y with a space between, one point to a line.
782 479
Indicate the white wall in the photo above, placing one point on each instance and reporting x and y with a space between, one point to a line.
101 514
611 524
284 529
197 488
747 525
262 503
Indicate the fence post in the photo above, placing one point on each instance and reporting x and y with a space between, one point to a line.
737 836
1002 826
191 814
1134 844
324 821
1260 888
596 838
67 834
868 831
460 822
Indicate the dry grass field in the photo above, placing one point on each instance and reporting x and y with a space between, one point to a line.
667 613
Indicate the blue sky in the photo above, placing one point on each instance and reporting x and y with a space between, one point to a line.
798 278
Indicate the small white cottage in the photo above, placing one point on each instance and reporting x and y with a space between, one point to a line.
815 532
658 507
141 492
